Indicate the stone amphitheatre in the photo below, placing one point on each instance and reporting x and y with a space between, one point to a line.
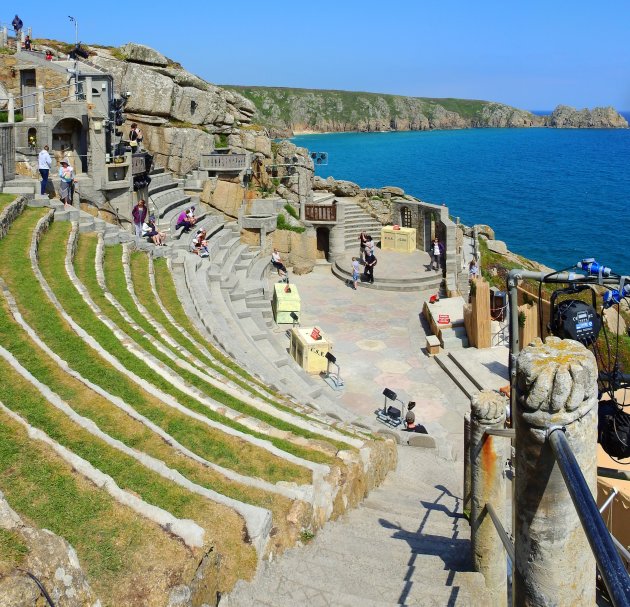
158 443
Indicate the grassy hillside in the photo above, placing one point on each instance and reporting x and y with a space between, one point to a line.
295 109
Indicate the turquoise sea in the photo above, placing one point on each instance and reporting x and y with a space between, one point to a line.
553 195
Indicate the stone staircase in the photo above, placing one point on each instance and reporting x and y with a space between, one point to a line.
355 222
407 544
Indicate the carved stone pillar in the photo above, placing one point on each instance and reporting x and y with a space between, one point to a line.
556 385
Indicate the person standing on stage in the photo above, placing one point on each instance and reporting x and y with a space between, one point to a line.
44 162
368 272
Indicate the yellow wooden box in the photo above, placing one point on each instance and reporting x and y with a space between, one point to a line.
402 240
284 302
309 353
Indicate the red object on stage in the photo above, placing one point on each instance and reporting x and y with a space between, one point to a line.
395 227
316 333
434 298
444 319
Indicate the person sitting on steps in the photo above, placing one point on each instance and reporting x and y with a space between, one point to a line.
184 223
410 420
150 231
276 261
200 244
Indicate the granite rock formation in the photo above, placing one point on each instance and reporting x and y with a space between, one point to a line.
598 118
48 557
180 114
288 111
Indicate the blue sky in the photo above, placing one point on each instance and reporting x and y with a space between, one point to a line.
533 55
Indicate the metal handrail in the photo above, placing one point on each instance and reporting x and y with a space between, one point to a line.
505 538
78 85
609 563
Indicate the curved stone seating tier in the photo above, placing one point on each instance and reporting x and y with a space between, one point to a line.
229 307
161 182
165 201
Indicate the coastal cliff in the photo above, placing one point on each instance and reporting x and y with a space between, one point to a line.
286 111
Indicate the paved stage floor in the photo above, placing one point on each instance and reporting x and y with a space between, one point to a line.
378 338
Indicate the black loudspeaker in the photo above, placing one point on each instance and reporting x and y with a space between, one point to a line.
387 393
393 412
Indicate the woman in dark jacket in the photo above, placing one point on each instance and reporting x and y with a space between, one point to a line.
139 214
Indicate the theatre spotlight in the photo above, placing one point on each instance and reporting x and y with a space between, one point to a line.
390 394
295 319
391 416
333 379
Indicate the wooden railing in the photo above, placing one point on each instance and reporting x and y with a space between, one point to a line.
223 162
320 212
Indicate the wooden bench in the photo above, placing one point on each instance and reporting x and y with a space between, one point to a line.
432 345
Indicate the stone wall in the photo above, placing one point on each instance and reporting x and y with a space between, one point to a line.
7 152
10 214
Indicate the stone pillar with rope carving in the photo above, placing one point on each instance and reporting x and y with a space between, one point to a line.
556 386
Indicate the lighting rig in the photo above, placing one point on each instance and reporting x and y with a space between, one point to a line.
574 318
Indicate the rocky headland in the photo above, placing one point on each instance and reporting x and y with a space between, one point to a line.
286 111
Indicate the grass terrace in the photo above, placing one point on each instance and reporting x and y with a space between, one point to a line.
115 280
211 444
124 555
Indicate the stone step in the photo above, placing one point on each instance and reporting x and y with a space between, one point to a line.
430 282
454 338
456 375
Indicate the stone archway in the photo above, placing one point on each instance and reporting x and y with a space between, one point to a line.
69 139
323 242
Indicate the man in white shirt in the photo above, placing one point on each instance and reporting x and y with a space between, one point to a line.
44 163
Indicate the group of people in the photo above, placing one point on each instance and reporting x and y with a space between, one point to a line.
367 258
144 224
67 178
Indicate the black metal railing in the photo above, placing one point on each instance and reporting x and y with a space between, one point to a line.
608 561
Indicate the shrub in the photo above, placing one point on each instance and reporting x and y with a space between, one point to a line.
282 224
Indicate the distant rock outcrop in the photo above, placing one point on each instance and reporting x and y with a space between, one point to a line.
566 117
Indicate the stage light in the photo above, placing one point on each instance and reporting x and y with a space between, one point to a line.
387 393
330 357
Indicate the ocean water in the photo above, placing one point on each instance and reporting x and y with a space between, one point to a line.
553 195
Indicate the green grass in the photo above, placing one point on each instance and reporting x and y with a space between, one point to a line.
25 400
140 276
43 489
209 443
115 422
5 200
283 224
115 280
13 550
